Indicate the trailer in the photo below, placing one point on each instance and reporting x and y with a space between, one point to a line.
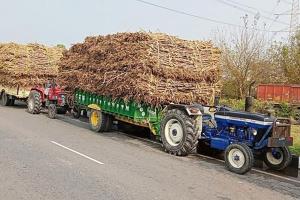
277 93
280 93
8 95
177 126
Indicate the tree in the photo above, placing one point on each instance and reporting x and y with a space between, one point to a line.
287 57
244 60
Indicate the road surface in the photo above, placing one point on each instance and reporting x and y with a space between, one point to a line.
62 159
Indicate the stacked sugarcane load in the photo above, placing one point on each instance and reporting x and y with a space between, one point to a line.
28 65
152 68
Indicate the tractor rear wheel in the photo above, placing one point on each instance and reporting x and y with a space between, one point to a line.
178 133
239 158
5 101
34 102
277 158
98 121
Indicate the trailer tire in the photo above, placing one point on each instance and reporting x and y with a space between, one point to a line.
98 121
5 101
12 102
76 112
178 133
277 160
239 158
109 122
34 102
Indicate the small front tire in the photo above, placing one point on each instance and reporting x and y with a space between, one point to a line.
277 158
239 158
52 111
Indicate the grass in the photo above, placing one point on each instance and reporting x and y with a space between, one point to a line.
296 135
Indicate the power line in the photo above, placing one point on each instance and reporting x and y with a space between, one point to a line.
287 2
250 7
200 17
250 11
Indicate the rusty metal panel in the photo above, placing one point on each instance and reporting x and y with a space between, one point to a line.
279 93
295 94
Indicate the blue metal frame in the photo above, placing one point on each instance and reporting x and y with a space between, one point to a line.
226 132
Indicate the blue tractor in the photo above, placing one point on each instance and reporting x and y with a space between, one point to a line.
243 136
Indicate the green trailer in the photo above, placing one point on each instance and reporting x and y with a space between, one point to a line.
178 126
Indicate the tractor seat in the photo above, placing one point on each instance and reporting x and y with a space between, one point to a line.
245 115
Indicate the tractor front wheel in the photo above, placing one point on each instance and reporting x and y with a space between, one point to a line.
52 111
178 133
277 158
239 158
34 102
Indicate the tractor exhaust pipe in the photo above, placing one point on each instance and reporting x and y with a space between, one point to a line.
249 100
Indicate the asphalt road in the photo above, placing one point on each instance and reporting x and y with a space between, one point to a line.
57 159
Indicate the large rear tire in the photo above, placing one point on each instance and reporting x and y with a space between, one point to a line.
178 133
239 158
34 102
98 121
5 101
277 158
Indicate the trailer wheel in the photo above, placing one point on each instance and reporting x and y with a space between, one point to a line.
52 111
178 133
76 112
109 122
277 158
239 158
5 101
98 121
12 102
34 102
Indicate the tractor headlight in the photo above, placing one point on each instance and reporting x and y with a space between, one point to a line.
254 132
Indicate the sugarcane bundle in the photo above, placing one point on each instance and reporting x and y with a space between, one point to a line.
28 65
153 68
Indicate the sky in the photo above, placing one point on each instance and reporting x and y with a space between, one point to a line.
68 22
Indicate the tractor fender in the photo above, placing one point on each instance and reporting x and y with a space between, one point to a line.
41 91
190 110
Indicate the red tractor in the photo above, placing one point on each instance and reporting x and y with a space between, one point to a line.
50 97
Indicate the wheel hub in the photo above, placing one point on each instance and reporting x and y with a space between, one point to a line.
236 158
275 156
94 118
173 132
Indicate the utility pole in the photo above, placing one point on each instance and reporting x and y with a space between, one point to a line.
294 24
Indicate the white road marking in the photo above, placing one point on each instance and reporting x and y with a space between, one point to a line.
78 153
